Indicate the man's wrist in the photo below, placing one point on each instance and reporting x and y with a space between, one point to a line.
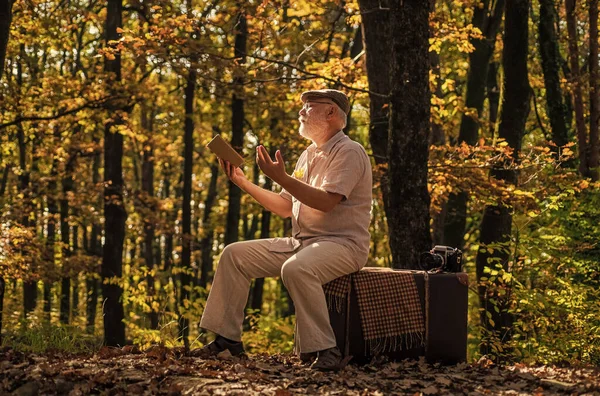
284 181
243 184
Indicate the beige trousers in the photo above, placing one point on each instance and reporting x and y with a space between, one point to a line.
303 269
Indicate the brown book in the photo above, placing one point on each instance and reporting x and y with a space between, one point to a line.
224 151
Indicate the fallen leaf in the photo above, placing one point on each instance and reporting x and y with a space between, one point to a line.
107 352
224 355
557 384
443 380
430 390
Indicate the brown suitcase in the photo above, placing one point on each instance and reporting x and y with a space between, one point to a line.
445 335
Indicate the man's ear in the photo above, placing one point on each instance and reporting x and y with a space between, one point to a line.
331 112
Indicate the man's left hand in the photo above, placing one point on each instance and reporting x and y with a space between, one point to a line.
273 169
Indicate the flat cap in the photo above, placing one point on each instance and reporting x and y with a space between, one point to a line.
338 97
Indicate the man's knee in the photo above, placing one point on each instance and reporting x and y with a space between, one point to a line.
230 252
240 257
293 270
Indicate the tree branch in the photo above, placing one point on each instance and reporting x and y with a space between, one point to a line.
316 75
91 105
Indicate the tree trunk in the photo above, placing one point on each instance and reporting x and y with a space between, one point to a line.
557 110
91 286
51 231
47 300
75 283
149 206
487 18
377 43
29 286
577 91
355 51
133 250
265 230
488 21
95 250
65 290
186 237
438 138
289 309
493 94
251 229
168 258
237 127
30 292
4 181
250 233
2 288
114 210
5 20
207 226
497 219
357 46
594 104
408 149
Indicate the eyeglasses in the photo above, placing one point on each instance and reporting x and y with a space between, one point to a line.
305 107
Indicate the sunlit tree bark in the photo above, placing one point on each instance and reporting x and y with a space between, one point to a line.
408 138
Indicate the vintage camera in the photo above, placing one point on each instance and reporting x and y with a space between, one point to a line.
441 258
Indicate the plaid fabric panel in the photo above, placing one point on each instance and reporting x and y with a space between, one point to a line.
388 303
339 287
337 292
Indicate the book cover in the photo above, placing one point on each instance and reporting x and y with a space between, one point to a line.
223 150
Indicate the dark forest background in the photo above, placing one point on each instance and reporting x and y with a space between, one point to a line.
481 119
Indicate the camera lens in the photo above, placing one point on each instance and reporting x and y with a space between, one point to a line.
430 261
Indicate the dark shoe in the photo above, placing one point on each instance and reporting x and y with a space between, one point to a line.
219 345
328 360
308 357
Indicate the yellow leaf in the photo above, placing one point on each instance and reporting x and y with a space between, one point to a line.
299 174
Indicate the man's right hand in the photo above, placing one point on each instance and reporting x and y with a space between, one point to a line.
268 199
235 174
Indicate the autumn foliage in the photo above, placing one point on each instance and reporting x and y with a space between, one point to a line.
56 98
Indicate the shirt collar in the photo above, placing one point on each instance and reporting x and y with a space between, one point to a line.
326 148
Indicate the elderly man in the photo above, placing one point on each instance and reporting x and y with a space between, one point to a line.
328 198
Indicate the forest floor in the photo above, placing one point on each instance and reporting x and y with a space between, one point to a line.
164 371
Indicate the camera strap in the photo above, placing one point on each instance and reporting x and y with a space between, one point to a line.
434 270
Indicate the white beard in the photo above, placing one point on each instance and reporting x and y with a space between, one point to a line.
313 128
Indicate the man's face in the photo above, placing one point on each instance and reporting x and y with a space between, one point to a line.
313 117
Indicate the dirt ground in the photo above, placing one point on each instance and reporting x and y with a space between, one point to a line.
163 371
